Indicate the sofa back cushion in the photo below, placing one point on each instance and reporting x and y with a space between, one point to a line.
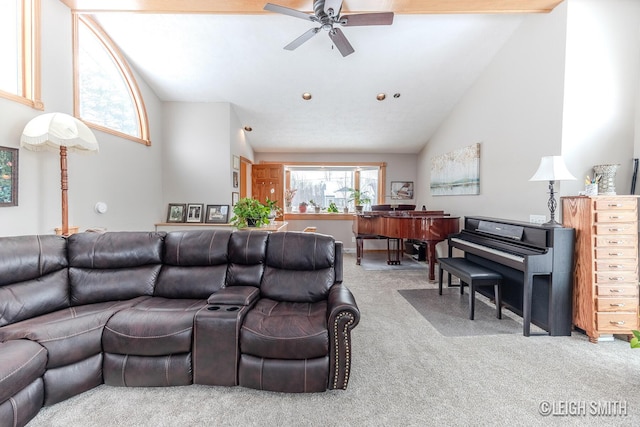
300 267
33 276
194 264
247 252
113 265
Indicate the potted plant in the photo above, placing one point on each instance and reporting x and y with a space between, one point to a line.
289 193
302 207
250 212
359 198
274 209
332 208
315 205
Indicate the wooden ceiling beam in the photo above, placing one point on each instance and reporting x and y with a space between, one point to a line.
350 6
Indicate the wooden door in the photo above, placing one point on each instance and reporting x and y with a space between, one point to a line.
267 181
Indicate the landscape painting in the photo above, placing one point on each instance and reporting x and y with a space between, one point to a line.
457 172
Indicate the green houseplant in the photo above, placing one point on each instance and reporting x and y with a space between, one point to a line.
250 212
359 198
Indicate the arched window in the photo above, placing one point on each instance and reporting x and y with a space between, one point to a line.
106 94
20 51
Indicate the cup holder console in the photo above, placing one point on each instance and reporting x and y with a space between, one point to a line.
217 307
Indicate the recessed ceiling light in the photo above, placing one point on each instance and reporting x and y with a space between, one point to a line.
306 96
396 95
248 128
381 96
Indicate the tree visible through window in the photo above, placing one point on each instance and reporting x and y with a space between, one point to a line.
107 96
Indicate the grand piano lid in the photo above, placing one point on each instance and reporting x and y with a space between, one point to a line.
514 232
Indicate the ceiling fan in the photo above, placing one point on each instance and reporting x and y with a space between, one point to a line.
327 14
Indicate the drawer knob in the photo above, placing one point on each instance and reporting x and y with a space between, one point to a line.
616 291
616 242
616 278
615 205
615 254
620 304
617 229
616 266
619 322
614 217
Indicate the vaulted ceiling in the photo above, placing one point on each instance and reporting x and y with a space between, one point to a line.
232 51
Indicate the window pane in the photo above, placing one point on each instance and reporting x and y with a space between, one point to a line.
10 41
323 186
103 93
369 185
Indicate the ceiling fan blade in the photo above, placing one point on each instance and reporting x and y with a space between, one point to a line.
303 38
341 42
291 12
361 19
332 7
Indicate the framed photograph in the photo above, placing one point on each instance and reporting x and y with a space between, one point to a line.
8 176
402 190
176 212
195 212
217 214
234 198
456 173
235 179
236 162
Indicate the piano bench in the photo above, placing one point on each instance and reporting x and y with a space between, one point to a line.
473 275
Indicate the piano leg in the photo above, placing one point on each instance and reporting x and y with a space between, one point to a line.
359 249
431 258
526 304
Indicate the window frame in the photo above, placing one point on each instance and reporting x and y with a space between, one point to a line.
125 71
30 64
382 172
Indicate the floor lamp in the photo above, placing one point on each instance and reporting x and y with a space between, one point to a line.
63 133
552 169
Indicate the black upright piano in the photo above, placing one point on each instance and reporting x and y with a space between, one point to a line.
536 263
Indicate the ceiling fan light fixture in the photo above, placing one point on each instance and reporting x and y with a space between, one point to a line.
306 96
381 96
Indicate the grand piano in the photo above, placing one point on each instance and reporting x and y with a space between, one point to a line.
536 263
430 227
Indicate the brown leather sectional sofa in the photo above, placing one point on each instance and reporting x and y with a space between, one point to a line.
250 308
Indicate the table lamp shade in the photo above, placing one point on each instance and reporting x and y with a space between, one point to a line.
54 130
552 168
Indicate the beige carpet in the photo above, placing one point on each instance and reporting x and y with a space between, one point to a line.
405 373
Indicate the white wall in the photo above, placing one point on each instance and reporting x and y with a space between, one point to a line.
601 88
515 111
125 174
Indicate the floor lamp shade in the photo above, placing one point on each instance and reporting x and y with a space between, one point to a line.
59 132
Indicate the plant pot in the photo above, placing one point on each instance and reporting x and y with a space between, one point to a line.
302 208
317 210
346 209
251 222
359 208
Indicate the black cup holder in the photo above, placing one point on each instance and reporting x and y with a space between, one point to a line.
217 307
213 308
233 308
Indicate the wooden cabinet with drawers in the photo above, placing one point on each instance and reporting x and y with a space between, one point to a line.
605 290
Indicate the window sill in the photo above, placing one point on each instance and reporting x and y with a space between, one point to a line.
293 216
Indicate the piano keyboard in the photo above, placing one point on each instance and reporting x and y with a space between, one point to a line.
516 258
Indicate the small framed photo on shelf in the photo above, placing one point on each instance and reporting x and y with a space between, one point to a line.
194 212
402 190
217 214
236 162
8 176
234 198
176 212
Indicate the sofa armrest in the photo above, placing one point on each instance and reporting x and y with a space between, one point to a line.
343 316
235 295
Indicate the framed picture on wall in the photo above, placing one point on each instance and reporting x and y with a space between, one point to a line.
236 179
8 176
195 212
234 198
236 162
402 190
217 214
176 212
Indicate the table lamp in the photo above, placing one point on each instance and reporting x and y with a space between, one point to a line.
552 169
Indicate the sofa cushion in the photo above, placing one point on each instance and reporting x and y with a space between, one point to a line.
113 266
247 252
155 327
195 264
285 330
33 277
21 362
69 335
299 267
23 406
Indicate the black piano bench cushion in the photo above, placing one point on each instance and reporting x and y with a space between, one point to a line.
473 275
286 330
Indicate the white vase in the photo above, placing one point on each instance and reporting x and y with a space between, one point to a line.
607 181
